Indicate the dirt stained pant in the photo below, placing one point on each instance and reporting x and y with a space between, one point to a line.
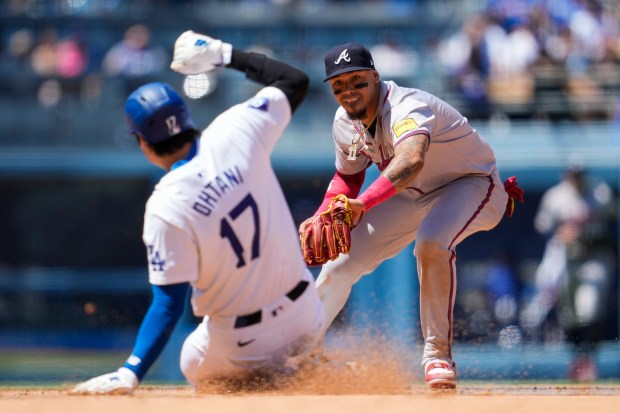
220 348
437 222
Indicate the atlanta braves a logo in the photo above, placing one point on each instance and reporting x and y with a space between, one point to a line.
343 56
173 128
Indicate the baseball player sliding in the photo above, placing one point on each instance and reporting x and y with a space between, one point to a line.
438 185
218 223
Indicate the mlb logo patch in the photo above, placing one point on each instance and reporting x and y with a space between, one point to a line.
259 103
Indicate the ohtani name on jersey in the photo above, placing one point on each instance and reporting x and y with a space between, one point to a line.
215 189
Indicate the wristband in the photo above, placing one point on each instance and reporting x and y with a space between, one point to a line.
348 185
323 207
380 190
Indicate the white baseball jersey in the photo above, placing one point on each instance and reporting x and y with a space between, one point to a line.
221 221
456 149
560 204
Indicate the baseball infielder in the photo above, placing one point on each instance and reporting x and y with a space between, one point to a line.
218 222
438 185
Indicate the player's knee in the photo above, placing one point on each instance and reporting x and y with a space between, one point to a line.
342 273
190 362
330 285
191 371
428 248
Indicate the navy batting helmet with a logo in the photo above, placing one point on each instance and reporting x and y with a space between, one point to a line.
157 112
347 57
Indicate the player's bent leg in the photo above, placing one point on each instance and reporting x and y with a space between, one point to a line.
218 349
203 358
482 203
194 356
336 278
334 287
383 233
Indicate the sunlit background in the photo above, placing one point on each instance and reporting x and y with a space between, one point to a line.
540 79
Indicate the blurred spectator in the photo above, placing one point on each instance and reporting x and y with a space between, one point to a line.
573 278
60 63
392 58
511 80
508 13
586 49
565 52
581 38
18 49
71 58
491 63
467 57
135 58
586 26
15 68
44 54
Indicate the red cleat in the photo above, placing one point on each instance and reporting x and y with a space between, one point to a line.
440 375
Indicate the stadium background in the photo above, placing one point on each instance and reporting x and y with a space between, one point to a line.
73 282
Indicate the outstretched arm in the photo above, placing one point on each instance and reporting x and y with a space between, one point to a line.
196 53
262 69
348 185
161 318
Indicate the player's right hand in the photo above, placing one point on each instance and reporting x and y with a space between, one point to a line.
196 53
304 225
123 381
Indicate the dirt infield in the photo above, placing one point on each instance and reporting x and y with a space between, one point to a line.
376 387
468 398
369 381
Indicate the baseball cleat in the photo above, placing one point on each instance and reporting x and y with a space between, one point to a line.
440 375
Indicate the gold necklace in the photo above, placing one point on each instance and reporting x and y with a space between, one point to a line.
359 132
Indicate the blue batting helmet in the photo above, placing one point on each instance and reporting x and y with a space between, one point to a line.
157 112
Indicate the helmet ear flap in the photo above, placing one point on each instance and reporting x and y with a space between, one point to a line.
157 112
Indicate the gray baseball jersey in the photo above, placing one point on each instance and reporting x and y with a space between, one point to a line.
458 192
456 148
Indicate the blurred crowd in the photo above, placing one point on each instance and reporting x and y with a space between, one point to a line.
547 59
522 58
542 56
65 65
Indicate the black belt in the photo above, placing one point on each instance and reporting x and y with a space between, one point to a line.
256 317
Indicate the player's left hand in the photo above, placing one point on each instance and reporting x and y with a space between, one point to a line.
327 235
196 53
123 381
357 211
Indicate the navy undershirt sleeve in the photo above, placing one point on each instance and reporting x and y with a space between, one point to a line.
162 316
262 69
